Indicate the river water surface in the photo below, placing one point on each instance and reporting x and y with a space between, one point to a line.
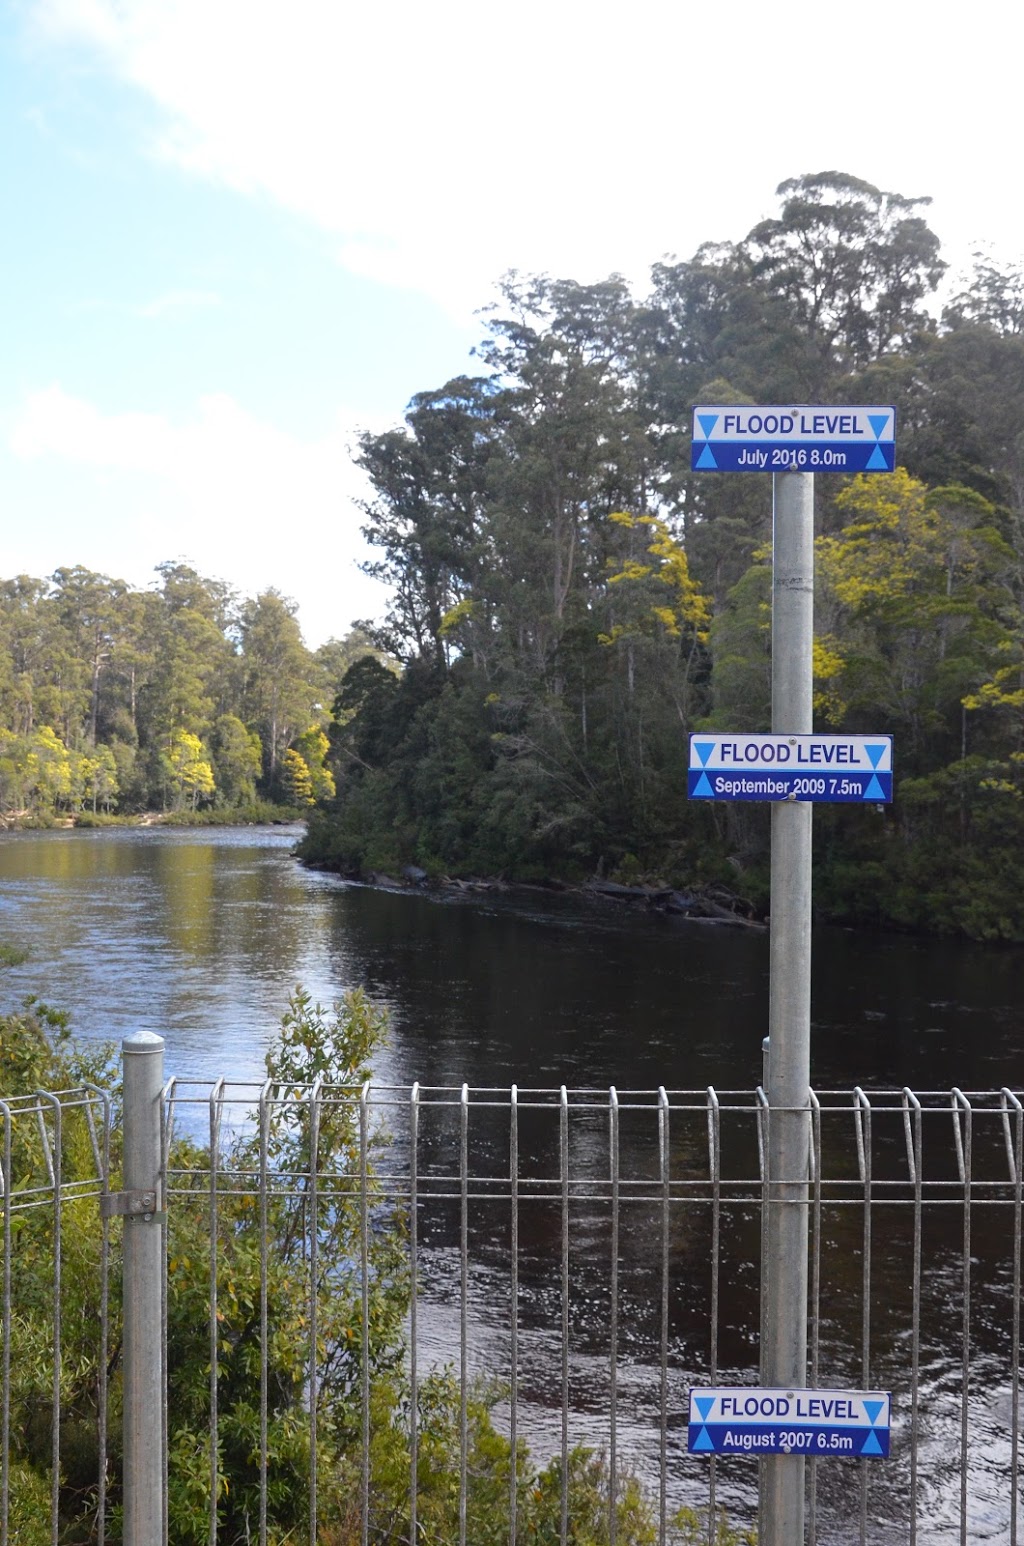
201 936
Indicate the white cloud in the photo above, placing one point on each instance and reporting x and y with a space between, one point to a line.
443 143
239 497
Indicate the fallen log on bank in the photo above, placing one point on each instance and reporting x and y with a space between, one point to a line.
700 904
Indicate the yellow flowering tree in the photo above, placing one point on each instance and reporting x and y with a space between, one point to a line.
189 773
652 596
915 585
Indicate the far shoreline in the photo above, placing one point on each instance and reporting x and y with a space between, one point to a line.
259 814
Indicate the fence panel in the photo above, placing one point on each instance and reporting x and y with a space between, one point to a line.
55 1342
475 1314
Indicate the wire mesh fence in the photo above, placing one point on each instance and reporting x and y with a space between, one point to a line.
475 1315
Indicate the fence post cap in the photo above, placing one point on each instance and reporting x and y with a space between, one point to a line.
142 1042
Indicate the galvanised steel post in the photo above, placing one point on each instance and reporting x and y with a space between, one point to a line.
785 1225
143 1075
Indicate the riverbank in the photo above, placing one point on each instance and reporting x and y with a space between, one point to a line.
701 904
260 813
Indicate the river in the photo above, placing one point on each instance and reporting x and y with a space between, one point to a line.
201 936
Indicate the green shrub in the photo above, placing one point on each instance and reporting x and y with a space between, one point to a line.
335 1047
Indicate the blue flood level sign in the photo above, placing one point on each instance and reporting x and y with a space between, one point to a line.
739 1420
827 769
801 438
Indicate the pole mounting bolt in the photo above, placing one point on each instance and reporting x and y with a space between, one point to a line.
129 1204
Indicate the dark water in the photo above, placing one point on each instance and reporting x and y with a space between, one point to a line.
202 936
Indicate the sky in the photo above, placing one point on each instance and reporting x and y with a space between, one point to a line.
236 235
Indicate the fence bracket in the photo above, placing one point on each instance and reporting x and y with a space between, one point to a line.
129 1204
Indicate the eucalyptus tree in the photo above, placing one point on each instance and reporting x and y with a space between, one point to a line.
967 412
22 633
332 659
574 449
426 514
811 306
192 661
277 671
993 296
46 683
90 608
853 266
492 511
914 592
237 758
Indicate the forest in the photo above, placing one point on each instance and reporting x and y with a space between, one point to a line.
179 699
569 601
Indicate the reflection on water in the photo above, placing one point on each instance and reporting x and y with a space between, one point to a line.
199 939
201 936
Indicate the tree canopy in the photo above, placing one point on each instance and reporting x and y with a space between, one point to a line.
570 600
174 698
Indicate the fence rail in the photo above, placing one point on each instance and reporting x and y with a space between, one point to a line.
365 1291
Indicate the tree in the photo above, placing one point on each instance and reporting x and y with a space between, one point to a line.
313 746
961 413
47 769
741 694
192 659
429 482
89 608
101 782
853 264
671 604
334 1047
296 784
188 770
37 1052
994 297
45 679
914 587
332 660
573 450
277 692
237 759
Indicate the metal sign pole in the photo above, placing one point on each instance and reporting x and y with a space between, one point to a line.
785 1225
140 1203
